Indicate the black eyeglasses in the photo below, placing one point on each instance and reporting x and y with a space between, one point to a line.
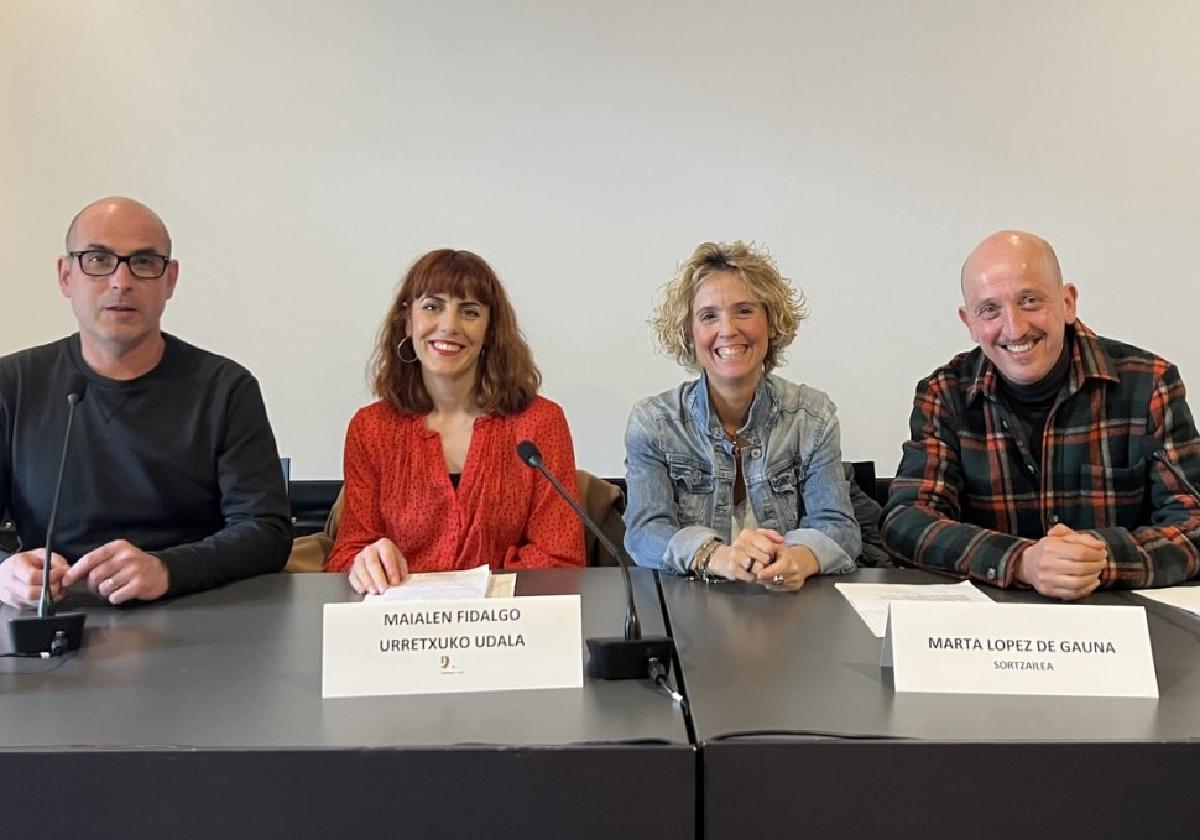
105 264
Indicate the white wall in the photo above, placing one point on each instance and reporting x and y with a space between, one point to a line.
303 153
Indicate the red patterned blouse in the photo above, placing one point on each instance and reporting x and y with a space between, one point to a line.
503 513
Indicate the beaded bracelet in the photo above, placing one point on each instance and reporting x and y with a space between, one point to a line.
702 557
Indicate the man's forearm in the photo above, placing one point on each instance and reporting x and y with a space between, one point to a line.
239 550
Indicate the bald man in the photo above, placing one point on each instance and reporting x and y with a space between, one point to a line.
173 481
1047 457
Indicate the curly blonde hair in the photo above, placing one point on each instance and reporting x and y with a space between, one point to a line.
786 305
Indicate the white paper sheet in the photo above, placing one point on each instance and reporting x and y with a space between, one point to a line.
870 600
1184 597
439 586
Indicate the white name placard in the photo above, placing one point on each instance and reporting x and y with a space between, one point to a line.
965 648
434 647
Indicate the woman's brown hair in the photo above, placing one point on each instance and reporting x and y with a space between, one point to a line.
507 379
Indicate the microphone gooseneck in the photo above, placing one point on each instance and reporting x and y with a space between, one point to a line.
631 657
48 634
1160 455
531 456
74 397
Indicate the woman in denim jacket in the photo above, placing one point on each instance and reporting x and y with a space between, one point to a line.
736 474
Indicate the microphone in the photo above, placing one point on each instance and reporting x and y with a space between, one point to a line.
48 634
612 658
1160 455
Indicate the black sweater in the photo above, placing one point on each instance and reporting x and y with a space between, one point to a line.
181 462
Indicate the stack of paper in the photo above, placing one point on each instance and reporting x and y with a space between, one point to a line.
449 586
1184 597
870 600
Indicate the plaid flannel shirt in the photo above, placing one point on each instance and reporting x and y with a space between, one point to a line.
967 497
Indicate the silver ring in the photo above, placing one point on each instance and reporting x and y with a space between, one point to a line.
777 580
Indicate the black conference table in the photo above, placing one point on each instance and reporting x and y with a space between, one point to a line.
202 717
802 735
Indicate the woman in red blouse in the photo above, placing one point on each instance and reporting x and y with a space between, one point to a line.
433 481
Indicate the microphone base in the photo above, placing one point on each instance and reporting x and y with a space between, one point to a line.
615 658
53 635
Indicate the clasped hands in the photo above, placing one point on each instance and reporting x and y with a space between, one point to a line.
1064 564
759 555
117 571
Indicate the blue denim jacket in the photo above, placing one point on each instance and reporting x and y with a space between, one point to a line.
680 471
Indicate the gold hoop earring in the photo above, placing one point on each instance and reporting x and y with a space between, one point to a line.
400 351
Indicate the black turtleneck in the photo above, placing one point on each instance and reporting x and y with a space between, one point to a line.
1030 404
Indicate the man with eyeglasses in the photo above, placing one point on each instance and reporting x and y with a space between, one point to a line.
173 481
